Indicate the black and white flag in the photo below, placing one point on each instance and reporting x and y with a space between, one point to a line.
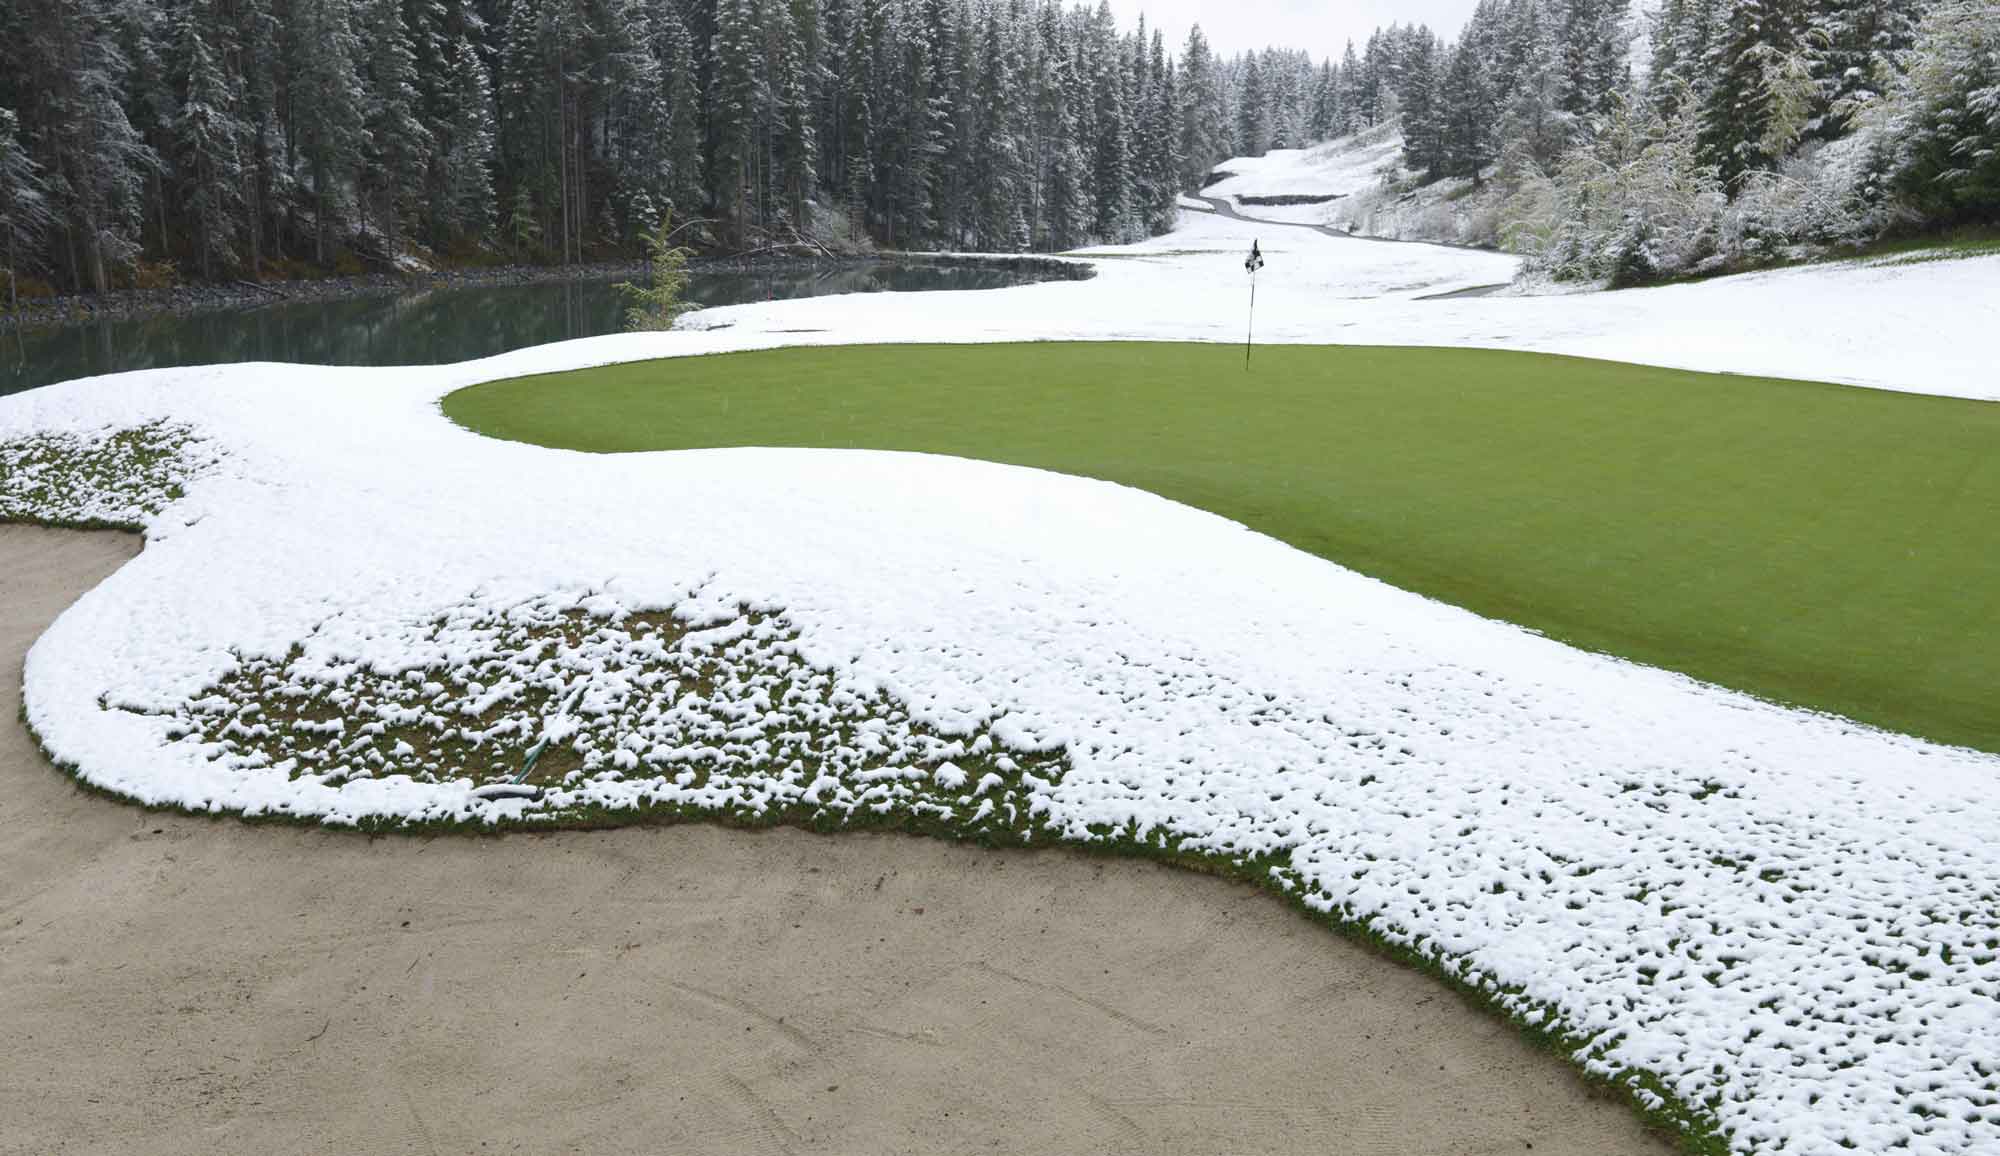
1254 261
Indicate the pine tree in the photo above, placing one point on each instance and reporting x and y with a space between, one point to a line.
1469 129
1737 115
1201 130
739 95
623 105
949 147
527 104
25 214
1945 116
1376 85
1860 45
1325 103
75 75
207 139
1158 157
860 134
998 171
1533 127
267 184
1253 124
327 108
1593 44
1281 101
1064 209
144 36
1347 117
394 144
796 146
1422 107
685 181
462 201
1683 34
917 124
1111 175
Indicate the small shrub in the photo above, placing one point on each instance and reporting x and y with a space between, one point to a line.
154 275
657 305
31 288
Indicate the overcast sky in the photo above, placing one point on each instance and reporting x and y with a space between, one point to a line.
1321 27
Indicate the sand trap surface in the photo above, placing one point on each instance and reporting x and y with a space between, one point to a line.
172 984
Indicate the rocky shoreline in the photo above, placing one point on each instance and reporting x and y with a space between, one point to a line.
184 299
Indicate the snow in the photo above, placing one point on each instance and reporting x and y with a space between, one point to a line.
1340 168
1377 197
1306 271
1852 323
1786 914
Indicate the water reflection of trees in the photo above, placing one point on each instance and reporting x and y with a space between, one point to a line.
430 327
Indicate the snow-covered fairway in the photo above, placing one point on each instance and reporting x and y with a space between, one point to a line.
1337 169
1884 324
1788 921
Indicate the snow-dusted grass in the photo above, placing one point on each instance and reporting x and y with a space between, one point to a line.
113 479
716 699
1774 923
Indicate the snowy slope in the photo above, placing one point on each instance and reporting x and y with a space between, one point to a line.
1852 323
1343 168
1378 197
1303 268
1783 914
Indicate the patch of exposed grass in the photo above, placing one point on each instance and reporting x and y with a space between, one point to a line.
723 715
1819 545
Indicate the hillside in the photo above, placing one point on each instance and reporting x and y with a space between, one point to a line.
1358 183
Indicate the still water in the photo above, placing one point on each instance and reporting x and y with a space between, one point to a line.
436 326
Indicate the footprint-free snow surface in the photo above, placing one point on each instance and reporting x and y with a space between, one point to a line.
1303 185
1789 920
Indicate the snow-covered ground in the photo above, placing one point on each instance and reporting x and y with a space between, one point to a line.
1880 325
1375 195
1339 168
1789 918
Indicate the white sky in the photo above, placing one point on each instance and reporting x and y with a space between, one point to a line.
1321 27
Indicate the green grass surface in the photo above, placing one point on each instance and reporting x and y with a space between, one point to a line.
1827 546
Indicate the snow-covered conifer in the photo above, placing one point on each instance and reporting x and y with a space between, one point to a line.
207 139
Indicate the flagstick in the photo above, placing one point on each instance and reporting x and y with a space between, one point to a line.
1252 327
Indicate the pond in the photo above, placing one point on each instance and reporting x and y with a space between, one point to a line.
437 325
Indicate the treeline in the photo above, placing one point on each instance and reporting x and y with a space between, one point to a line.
1700 135
227 138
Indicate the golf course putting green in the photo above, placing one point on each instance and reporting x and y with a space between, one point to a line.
1819 545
